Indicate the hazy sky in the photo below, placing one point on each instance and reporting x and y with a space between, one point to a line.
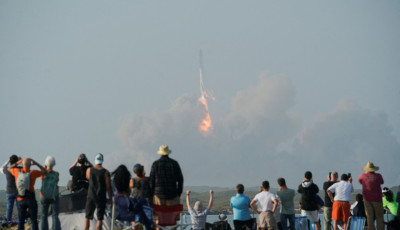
299 85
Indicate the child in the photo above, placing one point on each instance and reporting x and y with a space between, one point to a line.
197 214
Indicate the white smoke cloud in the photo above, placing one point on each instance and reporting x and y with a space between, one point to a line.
244 146
347 138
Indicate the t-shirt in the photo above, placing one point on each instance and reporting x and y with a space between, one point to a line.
240 205
32 177
371 186
198 219
79 180
342 190
264 201
11 187
287 203
392 206
327 200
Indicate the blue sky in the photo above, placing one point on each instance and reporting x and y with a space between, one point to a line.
304 85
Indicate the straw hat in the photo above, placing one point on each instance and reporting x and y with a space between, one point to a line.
164 150
370 167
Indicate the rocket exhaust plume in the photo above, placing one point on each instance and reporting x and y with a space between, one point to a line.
206 122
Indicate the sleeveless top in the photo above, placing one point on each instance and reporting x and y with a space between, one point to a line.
141 188
11 187
97 185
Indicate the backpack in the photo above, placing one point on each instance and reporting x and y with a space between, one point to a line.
49 186
22 183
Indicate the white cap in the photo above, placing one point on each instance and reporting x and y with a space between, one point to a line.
50 161
99 159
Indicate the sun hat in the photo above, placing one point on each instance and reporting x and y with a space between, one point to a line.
50 161
99 159
164 150
137 167
370 167
198 206
222 217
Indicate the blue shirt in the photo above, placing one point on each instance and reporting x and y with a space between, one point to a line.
240 204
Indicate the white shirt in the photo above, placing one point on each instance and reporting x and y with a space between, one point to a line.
264 201
342 190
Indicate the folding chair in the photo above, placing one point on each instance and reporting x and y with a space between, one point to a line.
301 223
356 223
167 216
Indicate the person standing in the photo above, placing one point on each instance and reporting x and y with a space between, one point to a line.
166 179
341 205
99 185
267 203
308 200
26 199
332 178
371 189
198 216
11 189
50 198
241 213
78 173
389 201
140 185
286 197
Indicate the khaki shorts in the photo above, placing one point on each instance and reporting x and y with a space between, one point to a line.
165 202
266 220
314 215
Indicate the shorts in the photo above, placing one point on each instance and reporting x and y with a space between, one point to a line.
91 205
165 202
247 224
341 211
314 216
266 220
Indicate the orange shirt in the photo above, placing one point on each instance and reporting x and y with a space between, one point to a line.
33 175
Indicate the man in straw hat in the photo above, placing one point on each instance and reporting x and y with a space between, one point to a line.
166 179
371 188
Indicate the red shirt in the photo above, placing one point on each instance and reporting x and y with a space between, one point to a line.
33 175
371 186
